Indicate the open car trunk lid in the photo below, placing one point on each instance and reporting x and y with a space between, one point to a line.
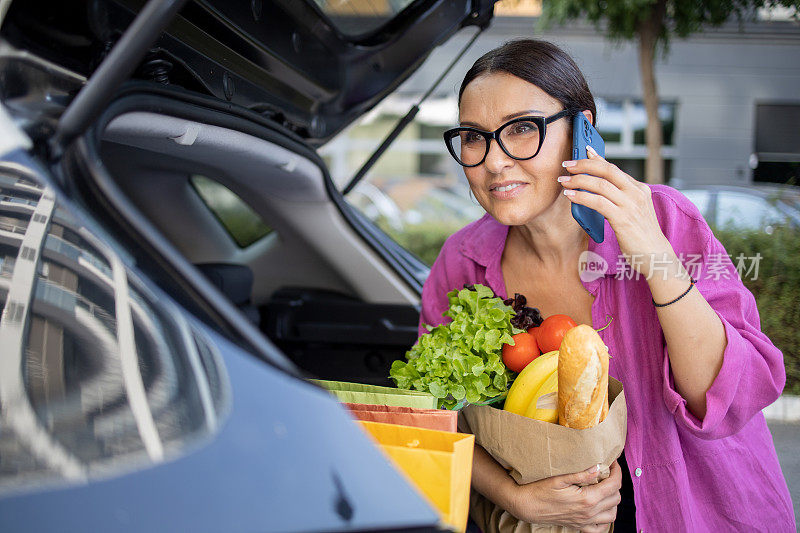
313 66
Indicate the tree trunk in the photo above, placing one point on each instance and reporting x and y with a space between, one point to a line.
648 32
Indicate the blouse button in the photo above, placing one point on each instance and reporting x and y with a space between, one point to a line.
638 472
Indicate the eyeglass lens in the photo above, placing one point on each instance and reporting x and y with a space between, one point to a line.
520 140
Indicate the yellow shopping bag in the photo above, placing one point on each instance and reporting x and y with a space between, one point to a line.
439 464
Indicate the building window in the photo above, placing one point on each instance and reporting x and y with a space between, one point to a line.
777 155
622 123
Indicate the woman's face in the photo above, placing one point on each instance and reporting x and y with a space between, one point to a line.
529 187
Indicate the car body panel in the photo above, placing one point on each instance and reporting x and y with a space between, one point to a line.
288 458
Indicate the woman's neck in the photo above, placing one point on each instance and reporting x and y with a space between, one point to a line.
553 237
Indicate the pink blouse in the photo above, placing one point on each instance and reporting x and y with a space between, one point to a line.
716 474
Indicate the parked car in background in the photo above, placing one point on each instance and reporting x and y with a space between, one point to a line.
757 207
175 260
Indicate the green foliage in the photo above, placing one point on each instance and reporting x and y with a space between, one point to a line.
620 19
461 360
776 288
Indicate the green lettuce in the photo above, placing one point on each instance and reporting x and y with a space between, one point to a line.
461 361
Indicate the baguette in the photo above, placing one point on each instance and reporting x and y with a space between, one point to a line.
582 378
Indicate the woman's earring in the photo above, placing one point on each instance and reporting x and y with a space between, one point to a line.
472 197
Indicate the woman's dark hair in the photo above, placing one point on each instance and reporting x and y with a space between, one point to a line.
542 64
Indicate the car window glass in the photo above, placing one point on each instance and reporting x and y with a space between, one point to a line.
100 374
416 192
699 198
360 17
239 220
742 211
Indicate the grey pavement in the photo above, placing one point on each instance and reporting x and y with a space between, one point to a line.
786 436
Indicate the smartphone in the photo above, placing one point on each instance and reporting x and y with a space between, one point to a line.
583 135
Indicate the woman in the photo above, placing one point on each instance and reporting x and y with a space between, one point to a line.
696 368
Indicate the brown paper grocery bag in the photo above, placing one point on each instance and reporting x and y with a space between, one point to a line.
532 450
440 419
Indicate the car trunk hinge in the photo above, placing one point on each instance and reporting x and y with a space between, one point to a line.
117 67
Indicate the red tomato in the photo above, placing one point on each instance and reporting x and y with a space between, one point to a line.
551 331
523 352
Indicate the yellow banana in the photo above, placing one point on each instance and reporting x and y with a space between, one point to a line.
544 404
528 382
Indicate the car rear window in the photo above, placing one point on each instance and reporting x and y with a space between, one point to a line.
239 220
360 17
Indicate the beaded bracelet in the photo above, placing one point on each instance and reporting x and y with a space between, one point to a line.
691 284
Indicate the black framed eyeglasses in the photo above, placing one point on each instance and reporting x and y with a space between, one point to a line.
520 138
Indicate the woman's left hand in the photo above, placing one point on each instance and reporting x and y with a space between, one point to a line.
627 205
